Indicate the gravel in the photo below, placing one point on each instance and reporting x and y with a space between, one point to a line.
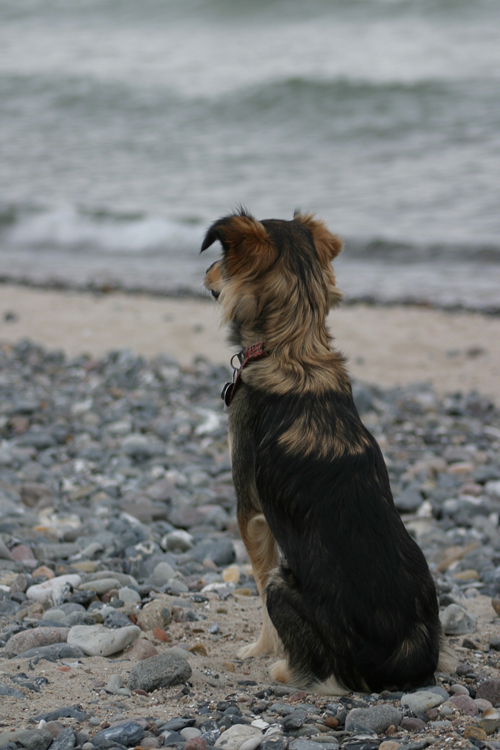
118 527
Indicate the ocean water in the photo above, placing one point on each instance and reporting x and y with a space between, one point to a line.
126 128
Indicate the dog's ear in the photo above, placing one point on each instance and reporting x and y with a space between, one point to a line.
327 245
247 247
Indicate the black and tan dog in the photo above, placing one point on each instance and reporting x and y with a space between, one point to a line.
347 592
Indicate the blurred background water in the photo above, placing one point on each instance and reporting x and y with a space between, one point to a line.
126 128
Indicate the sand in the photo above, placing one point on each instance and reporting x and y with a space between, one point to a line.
384 345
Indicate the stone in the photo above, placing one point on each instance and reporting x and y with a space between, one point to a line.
95 640
128 734
178 541
490 690
54 653
65 740
420 701
65 712
29 639
189 733
163 573
10 691
55 589
197 743
234 737
163 670
375 718
141 649
458 689
128 595
114 684
455 620
180 723
101 586
465 705
408 501
474 733
156 614
34 739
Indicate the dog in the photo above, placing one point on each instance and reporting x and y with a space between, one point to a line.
347 593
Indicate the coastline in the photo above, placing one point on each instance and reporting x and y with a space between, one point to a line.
384 345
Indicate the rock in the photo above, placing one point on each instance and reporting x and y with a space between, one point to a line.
420 701
177 541
465 705
190 733
54 590
490 690
159 671
408 501
457 621
114 684
35 638
128 595
458 689
34 739
128 734
101 586
163 573
311 745
375 718
65 712
54 652
474 733
10 691
197 743
141 649
156 614
65 740
294 720
95 640
234 737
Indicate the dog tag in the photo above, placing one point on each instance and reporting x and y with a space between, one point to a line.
226 393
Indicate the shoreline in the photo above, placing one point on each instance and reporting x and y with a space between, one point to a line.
113 287
385 345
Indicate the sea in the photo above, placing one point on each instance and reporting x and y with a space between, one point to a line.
127 127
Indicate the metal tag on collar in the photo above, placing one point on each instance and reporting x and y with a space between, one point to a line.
228 388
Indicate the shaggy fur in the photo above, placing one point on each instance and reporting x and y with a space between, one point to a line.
347 592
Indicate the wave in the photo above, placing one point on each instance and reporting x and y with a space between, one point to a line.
73 229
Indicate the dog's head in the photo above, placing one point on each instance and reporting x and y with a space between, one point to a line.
275 281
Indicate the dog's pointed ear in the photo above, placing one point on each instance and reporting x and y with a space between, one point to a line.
247 247
327 245
215 232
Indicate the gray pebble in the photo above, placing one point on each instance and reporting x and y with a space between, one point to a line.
159 671
457 621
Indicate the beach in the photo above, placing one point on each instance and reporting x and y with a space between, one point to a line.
125 589
388 346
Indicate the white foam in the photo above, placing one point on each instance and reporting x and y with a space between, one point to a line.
68 228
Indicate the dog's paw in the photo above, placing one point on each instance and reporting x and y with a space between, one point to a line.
253 649
280 671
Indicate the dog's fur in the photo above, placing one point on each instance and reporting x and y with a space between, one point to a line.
347 592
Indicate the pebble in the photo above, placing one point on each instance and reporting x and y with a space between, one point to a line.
419 702
55 589
376 718
234 737
95 640
128 734
159 671
30 639
490 690
465 705
457 621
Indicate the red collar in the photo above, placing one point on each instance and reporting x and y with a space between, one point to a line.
251 354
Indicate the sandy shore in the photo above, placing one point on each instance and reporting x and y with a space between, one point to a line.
386 346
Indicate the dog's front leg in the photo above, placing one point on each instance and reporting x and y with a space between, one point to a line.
263 553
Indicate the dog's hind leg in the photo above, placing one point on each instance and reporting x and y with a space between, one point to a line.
308 663
263 553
